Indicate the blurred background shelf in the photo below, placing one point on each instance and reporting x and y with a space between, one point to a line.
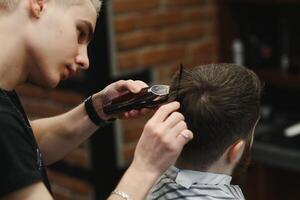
266 33
271 2
279 79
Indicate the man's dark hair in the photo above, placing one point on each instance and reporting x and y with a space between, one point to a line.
221 103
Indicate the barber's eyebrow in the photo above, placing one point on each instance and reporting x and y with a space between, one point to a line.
90 29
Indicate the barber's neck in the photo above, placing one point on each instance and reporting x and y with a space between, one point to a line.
12 55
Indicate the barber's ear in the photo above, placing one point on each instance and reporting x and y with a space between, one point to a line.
236 151
36 8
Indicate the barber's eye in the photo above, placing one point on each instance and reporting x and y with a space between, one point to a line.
81 35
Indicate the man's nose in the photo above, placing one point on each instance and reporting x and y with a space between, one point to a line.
82 59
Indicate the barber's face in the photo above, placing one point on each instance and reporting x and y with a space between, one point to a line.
58 42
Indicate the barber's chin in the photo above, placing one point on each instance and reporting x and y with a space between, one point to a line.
46 84
52 84
64 76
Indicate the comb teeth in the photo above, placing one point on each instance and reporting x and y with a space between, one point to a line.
179 80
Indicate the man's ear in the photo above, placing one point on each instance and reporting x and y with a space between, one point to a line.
236 151
36 8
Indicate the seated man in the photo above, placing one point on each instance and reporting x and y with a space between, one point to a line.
221 104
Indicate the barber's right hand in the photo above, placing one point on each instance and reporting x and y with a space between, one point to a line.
162 140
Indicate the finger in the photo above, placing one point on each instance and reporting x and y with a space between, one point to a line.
139 112
129 85
142 112
164 111
133 113
121 86
123 116
175 131
145 111
173 119
135 86
179 127
142 84
184 137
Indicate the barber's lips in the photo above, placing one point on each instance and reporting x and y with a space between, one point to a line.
68 72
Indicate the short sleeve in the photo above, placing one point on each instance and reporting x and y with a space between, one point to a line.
18 155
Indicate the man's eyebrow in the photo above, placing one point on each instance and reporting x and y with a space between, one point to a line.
90 29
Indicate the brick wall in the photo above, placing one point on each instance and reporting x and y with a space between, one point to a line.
161 34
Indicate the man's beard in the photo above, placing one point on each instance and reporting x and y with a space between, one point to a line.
240 170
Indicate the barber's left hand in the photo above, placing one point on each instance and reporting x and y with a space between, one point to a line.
115 90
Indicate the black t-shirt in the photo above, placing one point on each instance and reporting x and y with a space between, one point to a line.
21 162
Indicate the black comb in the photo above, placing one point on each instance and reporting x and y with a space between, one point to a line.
178 82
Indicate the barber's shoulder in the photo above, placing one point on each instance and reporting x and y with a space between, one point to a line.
5 103
8 111
9 115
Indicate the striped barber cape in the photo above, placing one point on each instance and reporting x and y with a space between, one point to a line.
192 185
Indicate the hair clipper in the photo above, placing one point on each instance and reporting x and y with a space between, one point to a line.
147 98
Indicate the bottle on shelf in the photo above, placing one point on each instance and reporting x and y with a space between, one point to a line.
284 37
238 52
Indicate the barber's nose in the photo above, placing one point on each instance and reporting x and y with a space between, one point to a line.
82 59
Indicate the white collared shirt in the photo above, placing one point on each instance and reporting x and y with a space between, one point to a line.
192 185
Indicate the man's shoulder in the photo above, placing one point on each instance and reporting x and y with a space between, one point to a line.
182 185
172 190
162 187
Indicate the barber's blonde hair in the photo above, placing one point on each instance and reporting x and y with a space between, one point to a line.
10 5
